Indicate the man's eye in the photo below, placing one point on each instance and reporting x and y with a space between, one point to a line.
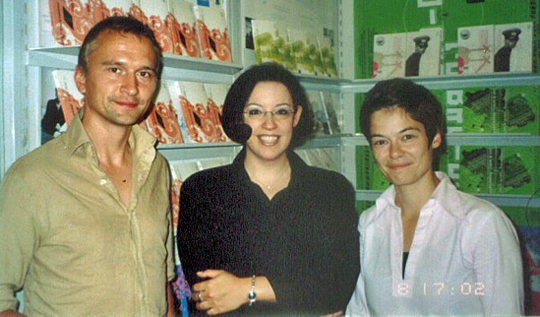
114 70
146 74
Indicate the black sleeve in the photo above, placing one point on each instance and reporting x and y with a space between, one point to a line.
196 248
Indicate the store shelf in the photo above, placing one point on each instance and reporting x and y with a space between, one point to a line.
470 139
188 151
453 81
177 66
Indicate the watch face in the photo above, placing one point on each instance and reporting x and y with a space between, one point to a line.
252 295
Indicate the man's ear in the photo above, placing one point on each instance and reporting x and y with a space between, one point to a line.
80 79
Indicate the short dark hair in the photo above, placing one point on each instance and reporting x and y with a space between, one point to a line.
120 24
414 99
241 89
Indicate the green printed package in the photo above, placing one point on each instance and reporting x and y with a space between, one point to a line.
492 169
369 177
515 172
513 109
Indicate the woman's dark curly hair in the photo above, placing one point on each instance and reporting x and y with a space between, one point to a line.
238 95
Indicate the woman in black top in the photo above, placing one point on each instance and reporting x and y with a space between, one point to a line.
268 234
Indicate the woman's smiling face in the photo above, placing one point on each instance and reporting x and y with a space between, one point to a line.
271 134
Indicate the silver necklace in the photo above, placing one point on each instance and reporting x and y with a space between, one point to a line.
269 186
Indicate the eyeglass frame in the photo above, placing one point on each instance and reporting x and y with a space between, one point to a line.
290 112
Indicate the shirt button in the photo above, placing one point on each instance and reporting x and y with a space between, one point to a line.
103 182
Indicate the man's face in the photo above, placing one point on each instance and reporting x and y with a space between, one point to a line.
400 147
120 81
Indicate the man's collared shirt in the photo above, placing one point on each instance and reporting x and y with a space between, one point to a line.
72 244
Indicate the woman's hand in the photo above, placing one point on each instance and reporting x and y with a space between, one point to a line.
222 292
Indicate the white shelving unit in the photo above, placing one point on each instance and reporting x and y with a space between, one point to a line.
26 67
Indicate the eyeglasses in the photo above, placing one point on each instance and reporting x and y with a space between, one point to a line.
257 113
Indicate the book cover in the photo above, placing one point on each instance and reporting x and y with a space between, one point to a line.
216 98
202 124
327 56
69 22
368 175
514 171
121 7
154 13
423 53
181 21
513 47
512 109
520 109
305 50
162 120
177 95
330 105
471 110
322 123
475 49
213 33
469 167
389 55
68 94
271 44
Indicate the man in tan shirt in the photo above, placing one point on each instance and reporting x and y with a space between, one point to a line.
84 219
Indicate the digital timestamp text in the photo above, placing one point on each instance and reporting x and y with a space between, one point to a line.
438 289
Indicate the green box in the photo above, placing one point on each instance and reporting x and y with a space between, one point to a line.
369 177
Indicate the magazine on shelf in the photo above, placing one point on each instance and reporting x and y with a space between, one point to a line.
213 33
423 53
475 49
68 94
513 47
69 22
162 120
202 124
389 55
271 44
181 21
154 14
329 102
305 50
327 56
216 98
121 7
322 124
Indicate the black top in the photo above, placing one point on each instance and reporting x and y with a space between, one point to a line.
304 240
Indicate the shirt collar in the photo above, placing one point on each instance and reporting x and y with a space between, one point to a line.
445 196
76 137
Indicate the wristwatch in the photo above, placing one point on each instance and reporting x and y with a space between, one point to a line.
251 295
